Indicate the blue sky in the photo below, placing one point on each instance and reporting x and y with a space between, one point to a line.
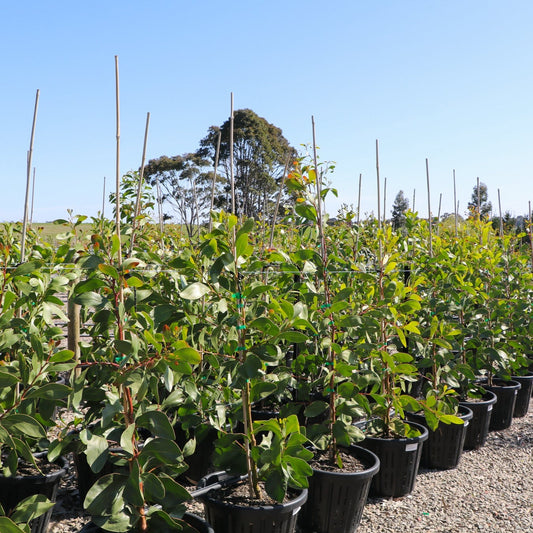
451 81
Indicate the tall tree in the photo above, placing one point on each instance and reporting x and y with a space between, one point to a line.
399 208
186 185
479 204
260 153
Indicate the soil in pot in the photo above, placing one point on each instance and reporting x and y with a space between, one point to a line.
15 489
502 413
399 461
444 446
478 429
238 517
523 396
337 497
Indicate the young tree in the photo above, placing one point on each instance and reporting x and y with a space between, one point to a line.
399 208
479 204
260 153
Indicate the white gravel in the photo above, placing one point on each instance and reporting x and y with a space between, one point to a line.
491 491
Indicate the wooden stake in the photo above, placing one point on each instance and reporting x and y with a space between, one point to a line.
429 212
358 218
378 184
384 201
28 173
232 177
278 200
501 219
32 197
139 186
103 200
455 204
438 214
117 169
414 198
530 236
217 154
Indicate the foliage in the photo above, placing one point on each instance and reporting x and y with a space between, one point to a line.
260 152
479 206
399 207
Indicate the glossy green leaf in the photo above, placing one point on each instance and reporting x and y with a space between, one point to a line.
194 291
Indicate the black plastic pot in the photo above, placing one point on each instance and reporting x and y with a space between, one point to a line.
200 525
524 395
336 499
444 446
399 461
502 413
478 429
231 518
15 489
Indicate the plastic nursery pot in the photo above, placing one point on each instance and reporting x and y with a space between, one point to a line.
227 517
336 499
200 525
478 429
399 461
524 395
502 413
444 446
15 489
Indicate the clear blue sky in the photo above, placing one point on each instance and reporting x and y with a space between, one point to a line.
447 80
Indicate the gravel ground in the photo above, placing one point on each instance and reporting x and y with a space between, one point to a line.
491 491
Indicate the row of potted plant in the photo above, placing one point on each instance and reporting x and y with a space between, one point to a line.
346 328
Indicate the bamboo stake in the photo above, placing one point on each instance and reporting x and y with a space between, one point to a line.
479 213
117 169
455 204
429 212
414 198
159 208
28 172
438 214
32 197
378 184
358 217
103 200
530 236
217 154
232 177
139 186
501 219
384 201
278 200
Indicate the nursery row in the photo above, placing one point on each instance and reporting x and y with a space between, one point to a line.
342 334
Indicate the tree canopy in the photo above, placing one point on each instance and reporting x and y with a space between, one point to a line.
479 204
399 208
260 154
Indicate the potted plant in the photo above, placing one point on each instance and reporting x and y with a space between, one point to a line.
32 360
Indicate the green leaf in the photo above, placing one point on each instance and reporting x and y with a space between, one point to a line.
306 211
97 450
262 389
251 366
62 356
276 485
50 391
157 423
316 408
194 291
21 424
106 495
8 526
161 451
31 508
153 488
126 439
109 270
89 299
7 380
293 336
